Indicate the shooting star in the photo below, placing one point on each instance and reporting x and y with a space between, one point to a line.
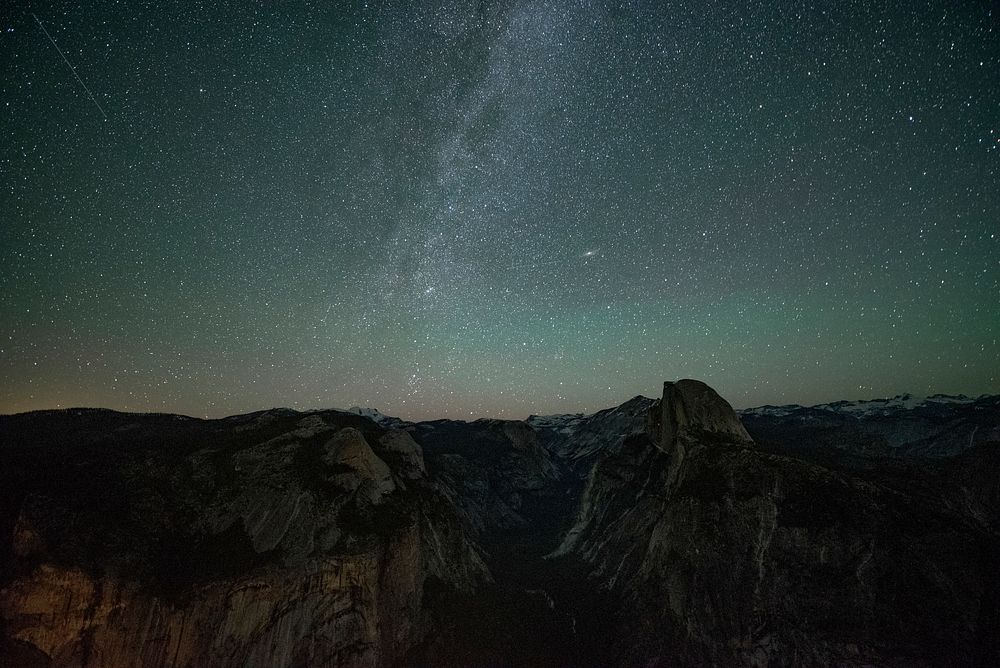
71 68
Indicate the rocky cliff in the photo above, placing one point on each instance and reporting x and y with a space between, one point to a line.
267 540
721 554
660 532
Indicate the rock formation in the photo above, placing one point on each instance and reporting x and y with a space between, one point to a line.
270 540
720 554
660 532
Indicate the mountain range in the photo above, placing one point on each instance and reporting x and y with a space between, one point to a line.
662 532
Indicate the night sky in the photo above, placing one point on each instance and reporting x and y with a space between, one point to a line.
478 209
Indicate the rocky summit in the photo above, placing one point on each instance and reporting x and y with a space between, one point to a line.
662 532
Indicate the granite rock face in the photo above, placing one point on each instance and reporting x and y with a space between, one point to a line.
657 533
690 409
265 540
493 470
720 554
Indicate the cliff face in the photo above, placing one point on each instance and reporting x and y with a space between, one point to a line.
655 533
277 540
495 471
362 610
721 554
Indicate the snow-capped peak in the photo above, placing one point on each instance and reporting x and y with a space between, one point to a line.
374 415
863 407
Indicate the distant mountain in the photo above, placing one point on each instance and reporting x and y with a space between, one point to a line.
901 427
579 439
661 532
900 403
376 416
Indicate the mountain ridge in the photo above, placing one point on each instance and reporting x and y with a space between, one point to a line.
669 531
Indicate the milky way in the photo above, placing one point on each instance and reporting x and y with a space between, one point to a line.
494 209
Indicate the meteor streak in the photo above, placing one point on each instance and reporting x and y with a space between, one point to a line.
71 68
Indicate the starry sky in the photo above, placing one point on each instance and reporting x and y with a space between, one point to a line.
463 209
